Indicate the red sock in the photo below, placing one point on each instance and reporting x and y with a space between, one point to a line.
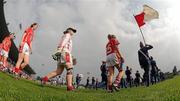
70 88
45 79
16 70
110 87
117 81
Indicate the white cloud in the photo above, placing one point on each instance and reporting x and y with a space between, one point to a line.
94 19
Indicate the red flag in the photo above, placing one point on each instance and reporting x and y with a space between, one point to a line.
140 19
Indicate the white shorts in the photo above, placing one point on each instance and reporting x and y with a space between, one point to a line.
25 49
1 63
65 58
112 60
4 53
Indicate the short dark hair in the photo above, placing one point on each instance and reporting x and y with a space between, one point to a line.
33 24
109 36
70 28
74 30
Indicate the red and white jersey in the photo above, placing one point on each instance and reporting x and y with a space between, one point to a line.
65 43
6 44
110 47
28 36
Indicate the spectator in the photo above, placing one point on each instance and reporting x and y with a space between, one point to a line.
93 82
144 60
123 83
137 79
77 80
161 74
175 70
97 82
128 76
104 73
87 83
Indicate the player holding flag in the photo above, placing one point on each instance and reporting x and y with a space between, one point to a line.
64 58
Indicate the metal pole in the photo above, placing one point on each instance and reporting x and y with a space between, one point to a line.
142 35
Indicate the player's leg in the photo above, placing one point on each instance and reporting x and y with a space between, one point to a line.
118 63
20 59
23 50
120 72
26 51
69 68
53 74
110 77
4 61
69 76
25 62
118 78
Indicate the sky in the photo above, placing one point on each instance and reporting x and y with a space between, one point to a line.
94 20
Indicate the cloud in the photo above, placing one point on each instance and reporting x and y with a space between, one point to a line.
95 19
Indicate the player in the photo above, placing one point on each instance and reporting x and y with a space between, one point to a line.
114 59
64 59
6 45
25 48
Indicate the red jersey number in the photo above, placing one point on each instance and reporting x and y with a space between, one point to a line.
109 49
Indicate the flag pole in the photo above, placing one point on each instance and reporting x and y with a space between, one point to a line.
140 31
142 35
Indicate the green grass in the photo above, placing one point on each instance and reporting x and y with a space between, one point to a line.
23 90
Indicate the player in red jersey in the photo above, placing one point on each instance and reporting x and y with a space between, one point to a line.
6 45
114 59
25 48
64 58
